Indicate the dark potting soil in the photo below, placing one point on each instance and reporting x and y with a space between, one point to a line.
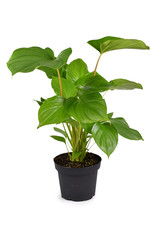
89 160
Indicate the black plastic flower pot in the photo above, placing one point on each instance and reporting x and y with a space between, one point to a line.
77 184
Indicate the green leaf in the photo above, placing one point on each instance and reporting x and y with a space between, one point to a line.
69 89
76 154
87 126
71 121
97 42
124 130
123 84
99 84
49 71
110 115
81 81
105 136
65 54
87 108
52 111
41 101
76 69
94 84
27 59
60 131
58 138
50 52
59 62
113 43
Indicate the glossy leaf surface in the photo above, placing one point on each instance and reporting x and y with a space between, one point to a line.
87 126
69 89
59 62
88 108
112 43
93 84
27 59
105 136
96 43
50 72
76 69
124 130
52 111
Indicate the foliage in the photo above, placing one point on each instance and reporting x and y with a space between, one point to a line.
78 104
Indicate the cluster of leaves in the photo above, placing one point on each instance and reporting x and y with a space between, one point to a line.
78 104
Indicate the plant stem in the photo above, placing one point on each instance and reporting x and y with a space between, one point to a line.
97 65
60 82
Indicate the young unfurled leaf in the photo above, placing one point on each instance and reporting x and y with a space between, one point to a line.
58 138
60 131
124 130
110 115
69 89
113 43
105 136
76 69
41 101
52 111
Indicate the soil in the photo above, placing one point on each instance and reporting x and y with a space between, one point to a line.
89 160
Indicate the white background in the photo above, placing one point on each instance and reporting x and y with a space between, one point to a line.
127 202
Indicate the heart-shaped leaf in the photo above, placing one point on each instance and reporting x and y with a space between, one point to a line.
87 108
105 136
69 89
124 130
76 69
113 43
52 111
27 59
97 42
93 84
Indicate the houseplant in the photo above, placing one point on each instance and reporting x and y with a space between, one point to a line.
81 110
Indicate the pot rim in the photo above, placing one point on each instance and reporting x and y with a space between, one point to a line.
82 170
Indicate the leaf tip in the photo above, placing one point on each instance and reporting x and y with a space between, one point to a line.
140 86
